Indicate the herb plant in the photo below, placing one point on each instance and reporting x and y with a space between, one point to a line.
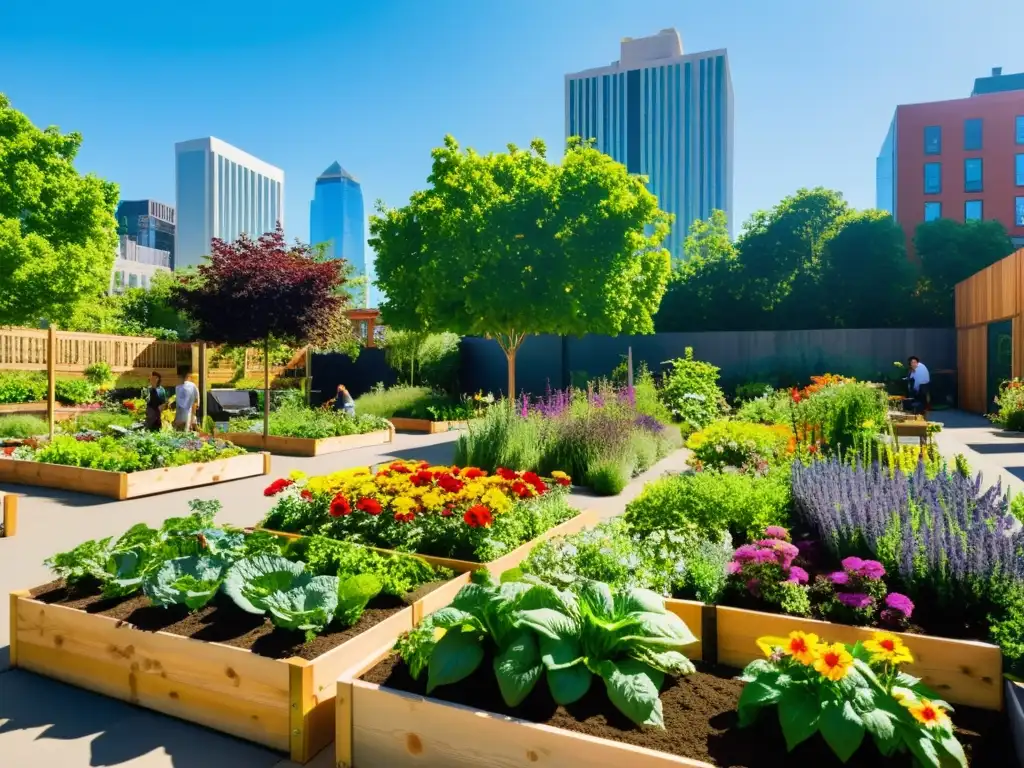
299 421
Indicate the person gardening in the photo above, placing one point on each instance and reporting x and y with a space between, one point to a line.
186 402
919 383
156 401
344 402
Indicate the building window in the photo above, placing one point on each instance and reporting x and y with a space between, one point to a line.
932 178
933 211
972 210
1018 217
933 140
1020 129
972 174
1020 171
972 133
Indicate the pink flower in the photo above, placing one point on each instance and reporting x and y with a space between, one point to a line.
839 577
901 603
733 567
854 600
852 564
776 532
797 575
745 553
871 569
764 556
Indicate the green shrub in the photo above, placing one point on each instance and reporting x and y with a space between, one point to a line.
74 391
22 387
312 424
100 421
690 391
22 426
501 438
281 382
99 374
742 503
751 390
1010 404
647 398
401 400
844 413
609 477
739 444
439 361
770 408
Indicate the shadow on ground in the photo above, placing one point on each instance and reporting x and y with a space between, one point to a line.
994 448
65 498
440 454
58 712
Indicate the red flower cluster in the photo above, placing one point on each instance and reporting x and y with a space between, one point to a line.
405 517
277 486
506 474
473 473
306 494
339 506
129 405
368 505
478 516
564 481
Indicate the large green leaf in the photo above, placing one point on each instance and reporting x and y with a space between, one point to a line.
309 606
638 601
448 617
633 687
567 672
799 713
250 581
455 657
841 727
473 598
953 749
757 694
654 630
518 668
924 748
597 598
189 581
670 662
549 622
353 595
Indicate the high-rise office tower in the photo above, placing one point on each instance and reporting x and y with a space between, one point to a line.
148 223
336 220
222 192
665 115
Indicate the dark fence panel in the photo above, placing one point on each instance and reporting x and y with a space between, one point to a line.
781 358
333 368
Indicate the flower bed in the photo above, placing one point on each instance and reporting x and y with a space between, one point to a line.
527 707
305 432
211 625
136 464
455 513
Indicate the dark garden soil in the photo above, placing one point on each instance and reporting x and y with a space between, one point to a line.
221 621
700 721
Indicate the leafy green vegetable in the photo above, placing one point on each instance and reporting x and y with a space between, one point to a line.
191 581
251 581
353 595
309 606
87 560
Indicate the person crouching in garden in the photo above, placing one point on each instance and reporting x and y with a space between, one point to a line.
156 401
344 401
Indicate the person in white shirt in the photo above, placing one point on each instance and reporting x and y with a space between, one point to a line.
920 384
186 401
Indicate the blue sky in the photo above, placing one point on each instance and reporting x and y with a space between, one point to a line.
377 85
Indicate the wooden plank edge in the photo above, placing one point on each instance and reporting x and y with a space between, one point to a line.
300 702
15 596
10 506
343 705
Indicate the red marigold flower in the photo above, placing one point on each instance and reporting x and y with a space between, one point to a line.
532 479
405 517
813 448
450 484
455 470
472 473
522 490
448 511
9 451
423 465
400 468
478 516
340 506
368 505
564 481
507 474
421 477
306 494
277 486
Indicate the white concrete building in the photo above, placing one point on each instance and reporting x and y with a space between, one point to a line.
222 192
135 265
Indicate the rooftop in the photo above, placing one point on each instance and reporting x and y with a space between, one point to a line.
335 171
997 82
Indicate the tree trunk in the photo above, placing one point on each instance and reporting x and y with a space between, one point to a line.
510 356
509 344
266 388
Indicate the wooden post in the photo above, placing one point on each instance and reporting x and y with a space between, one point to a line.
10 504
51 375
308 375
203 383
629 367
266 388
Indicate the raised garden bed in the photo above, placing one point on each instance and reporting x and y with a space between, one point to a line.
428 426
9 518
304 446
60 413
130 485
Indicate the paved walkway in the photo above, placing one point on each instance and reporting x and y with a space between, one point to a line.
46 724
997 454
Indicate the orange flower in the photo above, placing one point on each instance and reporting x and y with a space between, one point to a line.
928 714
802 647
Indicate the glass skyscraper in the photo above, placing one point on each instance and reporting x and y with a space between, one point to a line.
222 192
148 223
336 220
665 115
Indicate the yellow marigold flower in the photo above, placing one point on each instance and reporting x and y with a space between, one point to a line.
888 648
833 661
473 490
433 499
403 504
928 714
439 470
297 475
558 475
802 646
367 489
496 500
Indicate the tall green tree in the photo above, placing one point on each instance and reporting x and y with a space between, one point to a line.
509 244
58 233
950 251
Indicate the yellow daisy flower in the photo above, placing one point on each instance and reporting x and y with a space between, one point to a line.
833 661
885 647
928 714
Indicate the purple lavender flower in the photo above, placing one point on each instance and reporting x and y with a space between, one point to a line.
649 423
839 577
797 575
854 599
900 603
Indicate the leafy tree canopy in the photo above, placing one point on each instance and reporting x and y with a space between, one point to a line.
509 244
57 229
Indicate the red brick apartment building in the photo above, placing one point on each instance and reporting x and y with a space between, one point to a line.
961 159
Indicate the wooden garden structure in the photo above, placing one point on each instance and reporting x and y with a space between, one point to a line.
988 303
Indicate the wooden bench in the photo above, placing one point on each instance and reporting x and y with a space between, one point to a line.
916 428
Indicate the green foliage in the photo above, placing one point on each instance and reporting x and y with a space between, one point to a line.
430 358
647 398
674 563
500 438
190 581
752 390
291 421
99 421
57 228
770 408
1010 406
610 476
99 375
744 504
842 414
22 387
22 426
863 694
1007 624
627 638
412 403
690 391
74 391
131 453
740 444
571 248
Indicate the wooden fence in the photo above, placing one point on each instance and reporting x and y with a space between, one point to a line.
993 295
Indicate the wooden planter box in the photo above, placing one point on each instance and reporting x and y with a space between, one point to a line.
130 485
9 504
284 704
428 426
305 446
380 727
962 671
60 413
1015 710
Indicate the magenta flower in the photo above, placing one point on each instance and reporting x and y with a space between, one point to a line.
776 532
771 543
853 564
901 603
839 577
745 553
754 587
733 567
854 600
797 575
764 556
871 569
